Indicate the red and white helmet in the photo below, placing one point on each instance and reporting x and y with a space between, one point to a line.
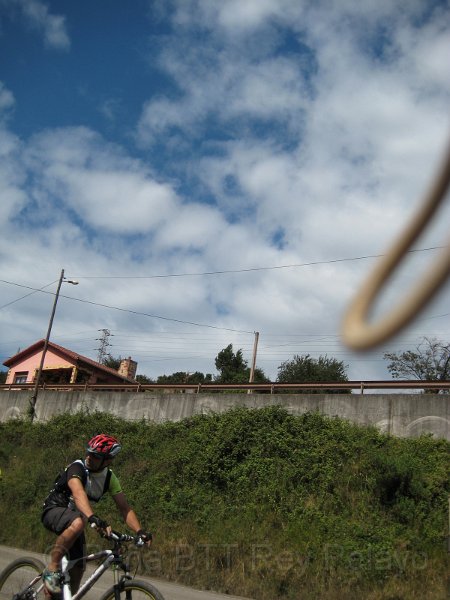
104 445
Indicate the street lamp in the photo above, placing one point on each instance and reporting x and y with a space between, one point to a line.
33 399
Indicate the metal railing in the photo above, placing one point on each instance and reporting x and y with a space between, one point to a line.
270 387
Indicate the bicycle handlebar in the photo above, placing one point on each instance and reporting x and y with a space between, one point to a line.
124 537
120 538
116 536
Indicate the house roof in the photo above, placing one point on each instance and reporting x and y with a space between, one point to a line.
74 356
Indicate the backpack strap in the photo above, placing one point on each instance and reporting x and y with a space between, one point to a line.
61 479
107 480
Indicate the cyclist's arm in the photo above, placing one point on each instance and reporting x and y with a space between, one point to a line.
82 501
80 497
128 514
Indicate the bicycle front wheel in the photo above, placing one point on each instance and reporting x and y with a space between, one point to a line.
22 580
135 590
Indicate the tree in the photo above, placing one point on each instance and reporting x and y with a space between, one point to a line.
198 377
143 379
3 375
233 368
183 377
111 362
430 361
305 369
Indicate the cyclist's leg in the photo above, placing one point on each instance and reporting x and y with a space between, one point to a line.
64 542
69 525
78 550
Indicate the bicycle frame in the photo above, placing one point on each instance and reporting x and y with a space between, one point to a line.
109 557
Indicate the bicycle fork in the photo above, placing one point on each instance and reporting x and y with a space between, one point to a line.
119 585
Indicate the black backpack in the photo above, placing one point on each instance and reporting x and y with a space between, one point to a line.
60 494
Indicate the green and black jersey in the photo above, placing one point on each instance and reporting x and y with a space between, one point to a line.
96 485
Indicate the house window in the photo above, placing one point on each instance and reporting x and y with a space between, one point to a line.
21 377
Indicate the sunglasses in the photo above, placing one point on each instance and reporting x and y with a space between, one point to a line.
100 455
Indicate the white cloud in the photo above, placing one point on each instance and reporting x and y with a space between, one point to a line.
110 109
7 100
116 201
193 227
229 85
235 18
250 14
52 27
12 177
272 89
107 190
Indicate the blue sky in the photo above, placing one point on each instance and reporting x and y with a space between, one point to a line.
202 167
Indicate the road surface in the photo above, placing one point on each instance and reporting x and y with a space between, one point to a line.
170 591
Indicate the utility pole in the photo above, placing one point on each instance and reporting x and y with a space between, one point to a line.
252 370
33 398
448 537
104 345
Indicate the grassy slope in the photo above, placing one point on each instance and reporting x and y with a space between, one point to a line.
257 503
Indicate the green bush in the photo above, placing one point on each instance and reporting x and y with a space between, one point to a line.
257 503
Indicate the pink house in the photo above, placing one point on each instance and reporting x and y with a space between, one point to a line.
64 366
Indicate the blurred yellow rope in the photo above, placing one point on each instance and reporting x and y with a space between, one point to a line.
357 332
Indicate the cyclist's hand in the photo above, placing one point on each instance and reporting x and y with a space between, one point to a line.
145 536
98 523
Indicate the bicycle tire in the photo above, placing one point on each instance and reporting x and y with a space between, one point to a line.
21 579
141 589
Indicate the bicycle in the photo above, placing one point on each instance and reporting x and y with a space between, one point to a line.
22 579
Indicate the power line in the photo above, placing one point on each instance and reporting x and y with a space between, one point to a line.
251 269
26 295
142 314
133 312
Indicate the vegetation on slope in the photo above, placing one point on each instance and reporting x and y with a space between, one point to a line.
257 503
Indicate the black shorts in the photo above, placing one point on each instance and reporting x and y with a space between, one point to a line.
57 519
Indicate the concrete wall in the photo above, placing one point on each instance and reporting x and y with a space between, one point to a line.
404 415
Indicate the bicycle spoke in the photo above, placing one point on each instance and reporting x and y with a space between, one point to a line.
21 580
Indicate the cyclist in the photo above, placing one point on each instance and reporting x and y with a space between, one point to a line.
68 508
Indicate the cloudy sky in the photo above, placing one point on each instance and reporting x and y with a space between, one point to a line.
208 169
